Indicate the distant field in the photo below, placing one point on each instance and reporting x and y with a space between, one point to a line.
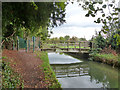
70 47
60 46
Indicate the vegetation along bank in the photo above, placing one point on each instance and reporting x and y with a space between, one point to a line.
27 70
49 73
107 57
10 78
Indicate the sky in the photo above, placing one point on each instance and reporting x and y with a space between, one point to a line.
77 24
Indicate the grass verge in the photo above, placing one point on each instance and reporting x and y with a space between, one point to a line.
110 59
10 79
72 47
108 56
50 76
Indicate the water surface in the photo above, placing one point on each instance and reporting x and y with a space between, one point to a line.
56 58
75 73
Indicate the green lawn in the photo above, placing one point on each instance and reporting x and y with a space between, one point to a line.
72 47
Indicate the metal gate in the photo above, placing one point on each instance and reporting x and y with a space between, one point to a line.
22 43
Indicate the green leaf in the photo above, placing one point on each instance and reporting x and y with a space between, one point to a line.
104 31
109 18
103 15
91 7
90 12
86 3
110 5
98 20
94 2
114 13
87 15
92 15
100 2
115 18
104 6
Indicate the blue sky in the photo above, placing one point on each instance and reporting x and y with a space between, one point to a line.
77 24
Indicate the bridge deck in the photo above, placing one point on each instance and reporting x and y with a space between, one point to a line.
84 49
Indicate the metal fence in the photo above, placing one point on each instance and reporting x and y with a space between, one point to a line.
28 44
33 43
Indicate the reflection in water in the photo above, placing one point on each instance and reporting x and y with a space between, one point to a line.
86 74
70 70
56 58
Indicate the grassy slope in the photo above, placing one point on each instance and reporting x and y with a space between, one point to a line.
108 56
49 73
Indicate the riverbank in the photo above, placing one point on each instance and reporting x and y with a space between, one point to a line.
31 68
86 74
110 59
49 73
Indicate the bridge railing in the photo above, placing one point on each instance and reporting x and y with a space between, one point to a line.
33 43
65 44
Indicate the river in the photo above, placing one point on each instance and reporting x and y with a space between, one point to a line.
78 73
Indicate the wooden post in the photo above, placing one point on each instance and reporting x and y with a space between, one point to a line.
26 45
29 45
67 45
17 43
79 46
33 43
84 44
75 45
54 46
39 43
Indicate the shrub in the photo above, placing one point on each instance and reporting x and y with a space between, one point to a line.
10 79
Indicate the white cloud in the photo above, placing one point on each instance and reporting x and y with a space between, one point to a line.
75 31
76 23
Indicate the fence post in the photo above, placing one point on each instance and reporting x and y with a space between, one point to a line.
26 44
39 43
17 43
79 47
75 45
33 43
67 45
84 44
29 45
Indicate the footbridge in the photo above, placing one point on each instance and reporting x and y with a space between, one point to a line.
81 46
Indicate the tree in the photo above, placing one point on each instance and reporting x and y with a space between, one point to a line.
67 37
73 39
61 39
112 40
82 39
30 18
100 42
110 21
